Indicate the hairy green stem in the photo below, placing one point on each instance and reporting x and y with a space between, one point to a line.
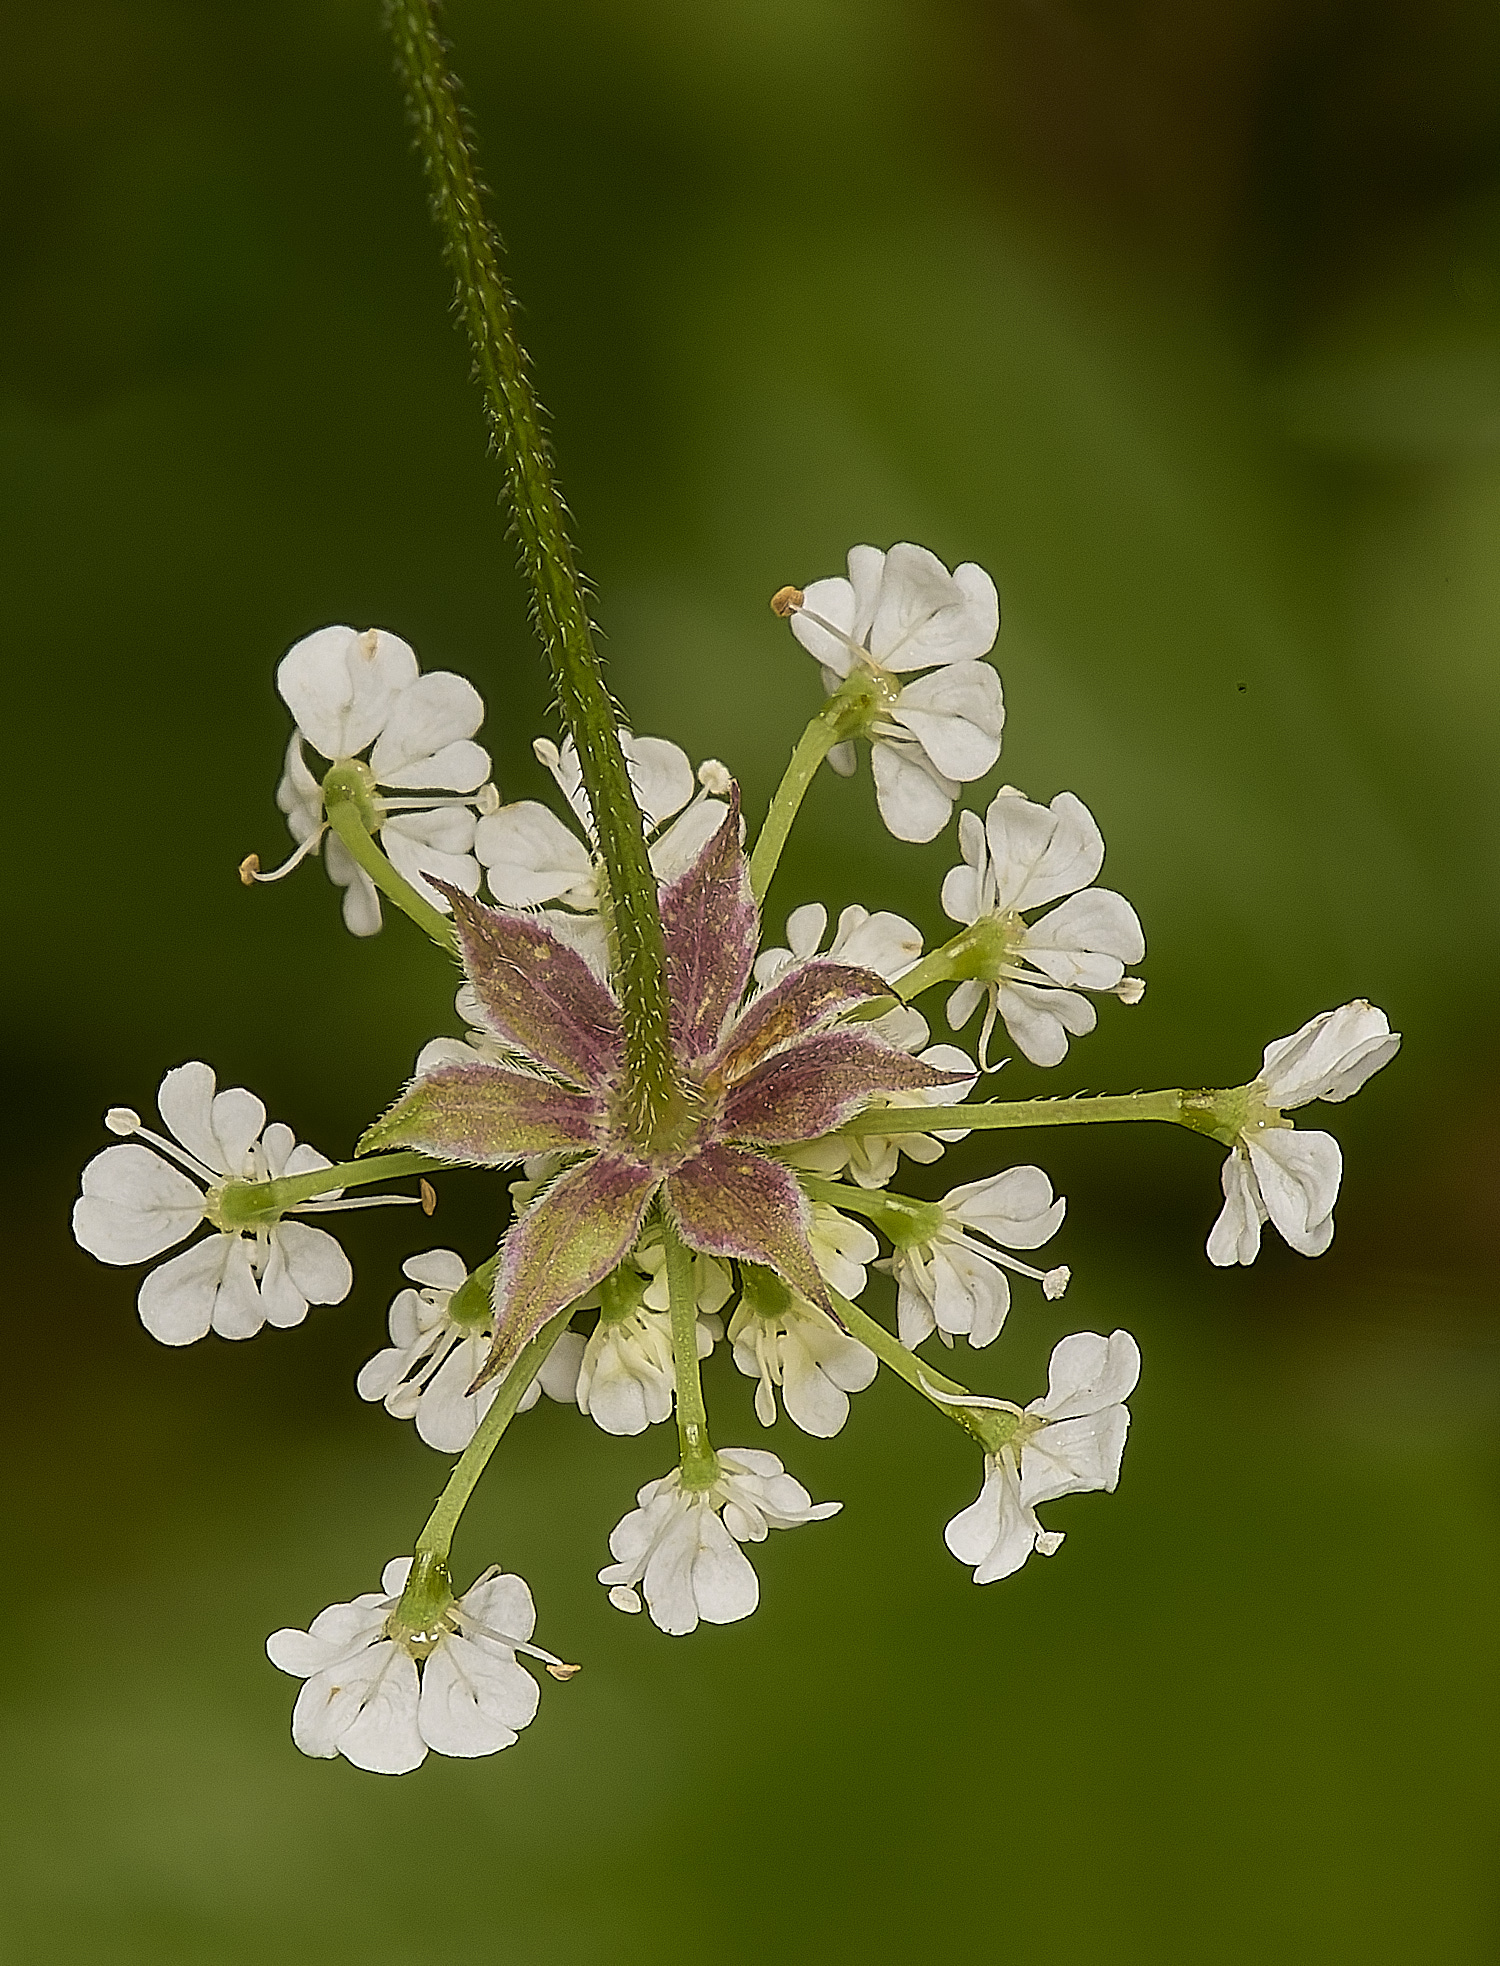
699 1462
344 818
436 1539
979 1422
845 712
472 251
248 1202
1190 1109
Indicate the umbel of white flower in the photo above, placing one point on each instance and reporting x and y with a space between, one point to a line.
1284 1173
952 1277
1069 1441
681 1546
425 1373
353 693
136 1203
382 1698
1020 858
531 858
897 613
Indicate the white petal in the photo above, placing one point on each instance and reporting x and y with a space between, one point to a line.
1330 1058
361 901
696 1571
341 686
1041 853
238 1121
1074 1456
833 601
425 744
963 1002
1298 1174
134 1205
1235 1236
185 1100
882 942
176 1302
438 1269
660 775
1040 1020
238 1311
447 1415
365 1710
408 839
282 1303
1014 1208
531 856
1086 942
474 1698
914 798
956 715
315 1262
337 1633
924 615
1088 1373
970 1296
504 1603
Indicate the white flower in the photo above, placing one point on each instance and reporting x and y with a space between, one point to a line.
898 612
841 1248
1019 858
887 944
782 1340
1283 1173
1067 1443
424 1374
382 1700
956 1284
350 691
681 1546
532 858
626 1381
135 1204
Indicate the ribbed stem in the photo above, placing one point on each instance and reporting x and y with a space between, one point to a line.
472 250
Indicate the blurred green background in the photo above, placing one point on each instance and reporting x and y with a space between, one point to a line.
1183 320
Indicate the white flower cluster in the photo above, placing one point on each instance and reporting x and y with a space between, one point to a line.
902 642
355 693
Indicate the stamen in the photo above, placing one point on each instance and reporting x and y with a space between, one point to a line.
323 1204
180 1155
714 776
250 866
786 601
471 1627
855 648
120 1119
968 1399
428 1196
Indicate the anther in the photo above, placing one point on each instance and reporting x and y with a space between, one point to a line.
120 1119
714 776
429 1197
563 1672
369 642
786 601
249 869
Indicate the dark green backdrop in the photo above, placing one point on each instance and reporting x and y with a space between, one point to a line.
1184 321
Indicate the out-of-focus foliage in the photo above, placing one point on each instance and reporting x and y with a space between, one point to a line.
1185 322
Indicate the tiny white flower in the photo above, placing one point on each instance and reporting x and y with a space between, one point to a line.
842 1248
626 1381
1021 857
531 858
1066 1443
681 1546
1287 1174
899 612
424 1374
781 1340
382 1699
354 692
955 1281
135 1204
